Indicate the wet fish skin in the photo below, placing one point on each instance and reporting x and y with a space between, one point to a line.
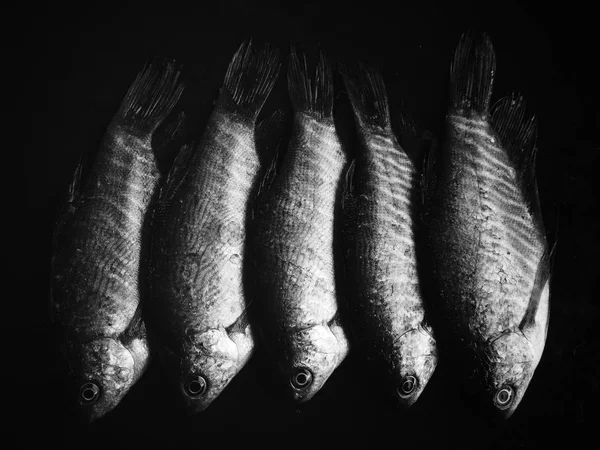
95 291
295 241
389 313
489 246
199 239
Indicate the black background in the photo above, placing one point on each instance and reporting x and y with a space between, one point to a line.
78 66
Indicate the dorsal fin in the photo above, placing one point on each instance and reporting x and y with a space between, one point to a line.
177 174
269 137
414 142
349 211
312 97
542 276
472 75
348 191
429 174
269 133
516 135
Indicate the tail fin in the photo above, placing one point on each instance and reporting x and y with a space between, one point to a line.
249 80
151 97
368 97
312 97
472 74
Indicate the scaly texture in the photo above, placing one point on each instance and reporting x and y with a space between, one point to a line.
98 248
297 256
390 317
199 304
489 246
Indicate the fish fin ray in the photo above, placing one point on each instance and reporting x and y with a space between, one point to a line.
429 175
472 74
349 211
542 275
177 174
368 97
517 136
314 97
348 191
249 80
173 134
269 134
136 327
240 325
151 97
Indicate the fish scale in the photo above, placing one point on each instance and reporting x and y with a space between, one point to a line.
388 314
97 255
496 234
199 299
296 238
304 211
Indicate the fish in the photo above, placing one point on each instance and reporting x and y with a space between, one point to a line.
382 202
295 238
491 258
199 307
99 245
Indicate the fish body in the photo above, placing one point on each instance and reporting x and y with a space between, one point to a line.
199 238
490 253
295 240
97 258
389 313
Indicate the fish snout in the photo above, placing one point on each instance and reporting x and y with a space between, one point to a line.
211 360
107 372
417 359
316 353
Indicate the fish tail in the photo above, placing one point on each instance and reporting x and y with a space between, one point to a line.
368 97
472 74
313 97
249 80
151 97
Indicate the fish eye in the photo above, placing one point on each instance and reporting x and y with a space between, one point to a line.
89 393
195 385
301 379
407 386
504 397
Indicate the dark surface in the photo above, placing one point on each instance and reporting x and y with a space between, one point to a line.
78 69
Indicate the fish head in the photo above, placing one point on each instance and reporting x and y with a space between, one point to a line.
417 360
207 363
511 361
105 373
313 354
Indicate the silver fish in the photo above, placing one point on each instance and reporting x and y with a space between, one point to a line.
389 314
199 239
98 245
294 242
490 252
